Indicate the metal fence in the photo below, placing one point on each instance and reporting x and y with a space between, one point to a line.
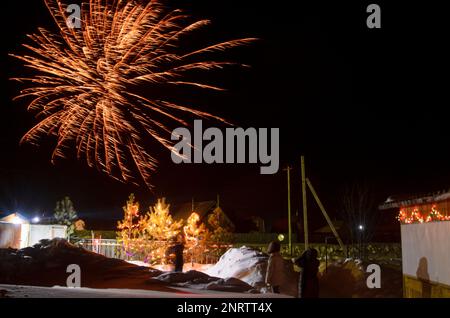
113 249
211 253
106 247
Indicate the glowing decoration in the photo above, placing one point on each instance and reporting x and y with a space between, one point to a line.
417 217
88 89
158 223
280 237
159 230
435 215
129 227
196 235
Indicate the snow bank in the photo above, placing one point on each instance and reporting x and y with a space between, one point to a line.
246 264
198 280
186 267
18 291
45 264
250 265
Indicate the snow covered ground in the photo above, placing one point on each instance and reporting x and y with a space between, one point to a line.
166 268
17 291
240 272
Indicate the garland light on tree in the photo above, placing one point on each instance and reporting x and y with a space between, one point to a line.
159 224
196 236
130 226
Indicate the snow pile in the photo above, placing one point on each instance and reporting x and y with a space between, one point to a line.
246 264
250 265
168 268
198 280
45 264
19 291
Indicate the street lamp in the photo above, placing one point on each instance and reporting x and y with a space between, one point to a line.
361 230
36 219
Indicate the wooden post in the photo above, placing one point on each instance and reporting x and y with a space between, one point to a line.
325 214
305 207
288 170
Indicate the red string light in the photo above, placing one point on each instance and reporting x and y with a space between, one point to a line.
417 217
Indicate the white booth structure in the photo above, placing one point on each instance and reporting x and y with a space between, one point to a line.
425 234
17 232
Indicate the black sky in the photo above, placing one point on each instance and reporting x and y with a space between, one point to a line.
362 105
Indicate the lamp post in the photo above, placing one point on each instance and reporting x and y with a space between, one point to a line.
288 170
361 230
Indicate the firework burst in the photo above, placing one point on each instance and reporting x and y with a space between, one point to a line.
83 91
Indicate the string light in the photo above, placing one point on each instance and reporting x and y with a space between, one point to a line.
417 217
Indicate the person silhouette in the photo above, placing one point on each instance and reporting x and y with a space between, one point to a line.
308 283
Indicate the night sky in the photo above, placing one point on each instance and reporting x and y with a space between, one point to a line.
363 105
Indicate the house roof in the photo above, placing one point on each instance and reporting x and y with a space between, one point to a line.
327 229
402 201
203 208
183 211
11 217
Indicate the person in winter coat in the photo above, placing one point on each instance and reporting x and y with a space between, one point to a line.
275 275
175 251
308 283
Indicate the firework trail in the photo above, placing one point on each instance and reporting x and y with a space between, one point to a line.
83 92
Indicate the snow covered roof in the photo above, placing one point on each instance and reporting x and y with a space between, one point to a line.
14 218
403 201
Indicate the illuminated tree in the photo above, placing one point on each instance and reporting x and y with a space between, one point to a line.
221 227
65 214
159 228
196 235
129 227
159 224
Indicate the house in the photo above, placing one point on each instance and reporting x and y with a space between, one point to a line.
203 209
425 239
17 232
325 233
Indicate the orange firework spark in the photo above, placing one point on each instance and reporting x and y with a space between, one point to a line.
82 91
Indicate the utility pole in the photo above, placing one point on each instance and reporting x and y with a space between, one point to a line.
327 218
288 170
305 208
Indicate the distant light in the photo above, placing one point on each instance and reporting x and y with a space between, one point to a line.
361 227
281 237
17 220
36 219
